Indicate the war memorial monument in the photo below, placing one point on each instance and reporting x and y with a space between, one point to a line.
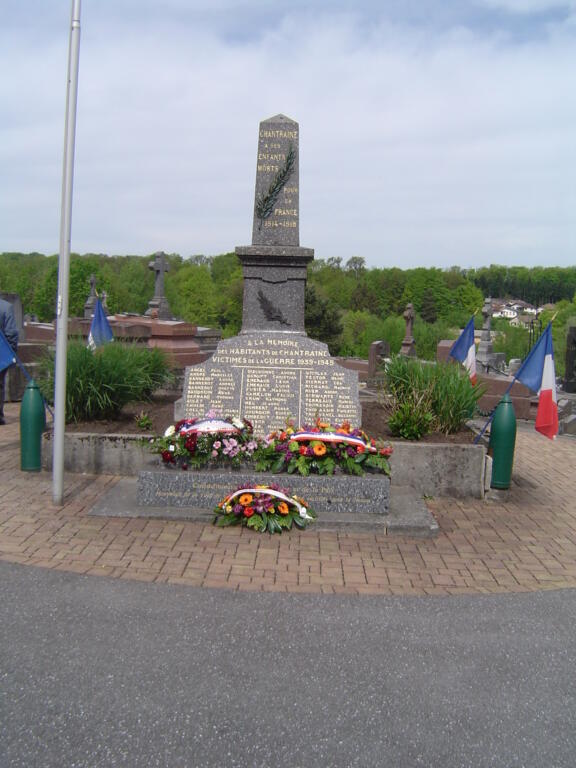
272 371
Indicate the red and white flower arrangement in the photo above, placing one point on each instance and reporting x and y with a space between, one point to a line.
324 449
193 443
263 508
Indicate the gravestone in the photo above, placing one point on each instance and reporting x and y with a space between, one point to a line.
271 371
378 352
570 371
408 348
91 300
488 361
158 306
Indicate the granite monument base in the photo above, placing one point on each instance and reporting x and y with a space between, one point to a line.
203 490
351 503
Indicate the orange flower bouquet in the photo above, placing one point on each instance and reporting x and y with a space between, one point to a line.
263 508
324 449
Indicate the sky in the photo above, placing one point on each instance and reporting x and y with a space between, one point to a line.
432 132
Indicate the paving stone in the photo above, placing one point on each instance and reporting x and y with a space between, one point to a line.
526 544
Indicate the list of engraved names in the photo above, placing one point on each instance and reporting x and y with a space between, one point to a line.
268 380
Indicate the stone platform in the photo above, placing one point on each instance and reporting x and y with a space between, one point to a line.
356 503
343 494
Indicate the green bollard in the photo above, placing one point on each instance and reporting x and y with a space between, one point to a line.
502 443
32 425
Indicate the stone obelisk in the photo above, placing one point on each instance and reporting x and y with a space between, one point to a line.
272 371
274 266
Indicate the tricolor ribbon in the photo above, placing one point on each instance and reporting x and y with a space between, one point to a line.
333 437
302 511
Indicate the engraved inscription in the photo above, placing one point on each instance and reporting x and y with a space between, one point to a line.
276 210
267 380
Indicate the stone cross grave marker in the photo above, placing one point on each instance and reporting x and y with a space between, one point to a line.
158 306
91 300
408 348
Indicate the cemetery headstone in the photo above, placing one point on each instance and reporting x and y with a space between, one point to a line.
408 348
91 300
378 352
488 361
272 371
158 306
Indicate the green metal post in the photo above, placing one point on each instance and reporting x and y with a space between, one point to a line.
502 443
32 425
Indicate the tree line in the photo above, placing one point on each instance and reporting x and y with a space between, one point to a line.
348 305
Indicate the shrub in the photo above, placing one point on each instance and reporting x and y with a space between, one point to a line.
99 384
428 397
454 398
412 419
427 336
513 341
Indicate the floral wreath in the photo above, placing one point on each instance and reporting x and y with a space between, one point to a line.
210 439
323 448
263 508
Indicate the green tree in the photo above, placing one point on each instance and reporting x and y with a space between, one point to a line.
192 295
360 329
128 281
322 320
332 283
429 311
356 266
468 298
427 336
512 341
226 272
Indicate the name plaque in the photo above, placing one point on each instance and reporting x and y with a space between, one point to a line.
267 379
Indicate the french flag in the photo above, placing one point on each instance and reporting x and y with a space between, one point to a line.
100 331
537 372
464 350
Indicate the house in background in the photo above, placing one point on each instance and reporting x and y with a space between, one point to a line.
512 309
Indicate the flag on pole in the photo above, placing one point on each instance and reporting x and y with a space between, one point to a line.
537 372
100 331
464 350
7 354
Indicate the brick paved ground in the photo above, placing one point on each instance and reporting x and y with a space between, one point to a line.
523 545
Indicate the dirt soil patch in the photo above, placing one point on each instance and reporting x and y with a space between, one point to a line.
160 412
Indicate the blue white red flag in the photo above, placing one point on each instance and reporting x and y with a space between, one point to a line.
100 331
464 350
537 372
7 356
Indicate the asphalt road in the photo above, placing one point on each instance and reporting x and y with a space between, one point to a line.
101 672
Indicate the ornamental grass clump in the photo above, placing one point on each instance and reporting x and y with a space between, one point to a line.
424 398
454 397
100 383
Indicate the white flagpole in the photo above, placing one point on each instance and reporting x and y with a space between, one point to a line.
64 259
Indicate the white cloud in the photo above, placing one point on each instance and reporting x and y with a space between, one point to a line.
531 6
417 147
